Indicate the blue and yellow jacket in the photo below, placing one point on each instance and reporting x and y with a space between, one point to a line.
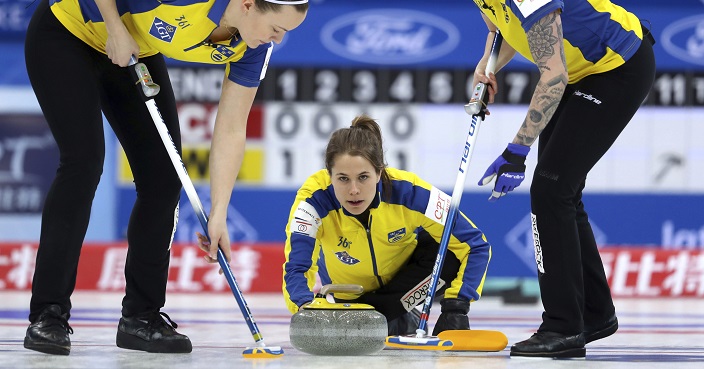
323 238
598 36
178 29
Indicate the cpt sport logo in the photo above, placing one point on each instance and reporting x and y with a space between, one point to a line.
438 205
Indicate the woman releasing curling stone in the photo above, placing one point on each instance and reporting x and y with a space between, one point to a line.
361 222
76 51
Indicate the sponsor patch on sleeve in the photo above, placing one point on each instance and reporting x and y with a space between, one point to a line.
438 205
305 220
528 7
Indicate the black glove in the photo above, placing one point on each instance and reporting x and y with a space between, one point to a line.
453 315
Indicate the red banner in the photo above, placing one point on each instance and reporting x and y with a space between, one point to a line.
257 268
650 272
632 271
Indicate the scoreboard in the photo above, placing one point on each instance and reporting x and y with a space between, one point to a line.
420 112
407 86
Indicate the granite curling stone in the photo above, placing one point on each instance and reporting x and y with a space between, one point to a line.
338 329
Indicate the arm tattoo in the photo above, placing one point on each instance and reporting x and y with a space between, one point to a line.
545 40
542 39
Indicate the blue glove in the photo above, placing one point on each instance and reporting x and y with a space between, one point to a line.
511 170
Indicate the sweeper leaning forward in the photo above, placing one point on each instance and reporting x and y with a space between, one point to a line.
361 222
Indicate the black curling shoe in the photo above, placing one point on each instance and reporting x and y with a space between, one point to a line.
603 331
49 333
551 345
150 332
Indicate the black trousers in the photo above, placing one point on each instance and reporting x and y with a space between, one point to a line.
75 83
387 299
591 115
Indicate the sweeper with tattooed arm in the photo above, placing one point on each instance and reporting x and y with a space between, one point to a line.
361 222
596 67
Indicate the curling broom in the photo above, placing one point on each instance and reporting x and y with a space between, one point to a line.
456 339
150 89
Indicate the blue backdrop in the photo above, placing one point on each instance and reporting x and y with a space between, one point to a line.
360 33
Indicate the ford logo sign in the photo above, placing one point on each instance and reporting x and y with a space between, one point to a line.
684 39
390 36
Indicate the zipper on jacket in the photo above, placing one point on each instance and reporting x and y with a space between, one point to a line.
205 42
371 251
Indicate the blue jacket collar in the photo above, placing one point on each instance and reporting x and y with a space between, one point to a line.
218 10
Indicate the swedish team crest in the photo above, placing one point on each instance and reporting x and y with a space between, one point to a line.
162 30
397 235
344 257
221 52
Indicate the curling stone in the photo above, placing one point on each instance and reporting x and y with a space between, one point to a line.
338 329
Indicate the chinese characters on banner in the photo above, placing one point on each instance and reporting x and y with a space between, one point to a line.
257 268
632 271
638 272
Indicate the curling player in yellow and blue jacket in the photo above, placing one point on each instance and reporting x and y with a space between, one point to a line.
597 66
361 222
76 52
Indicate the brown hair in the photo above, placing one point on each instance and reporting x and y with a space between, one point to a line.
266 6
362 138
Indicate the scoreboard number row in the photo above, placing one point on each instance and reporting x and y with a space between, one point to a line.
377 85
441 86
